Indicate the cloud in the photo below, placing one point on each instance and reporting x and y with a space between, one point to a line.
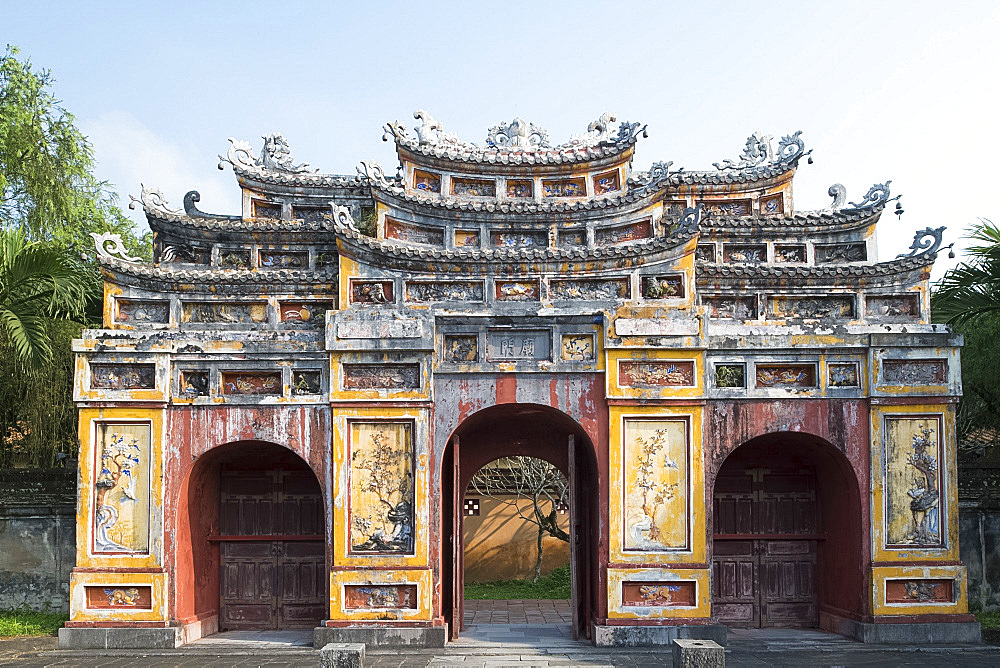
130 154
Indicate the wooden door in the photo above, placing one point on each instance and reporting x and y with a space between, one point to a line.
764 557
272 551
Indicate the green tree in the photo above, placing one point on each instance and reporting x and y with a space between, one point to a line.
50 201
968 298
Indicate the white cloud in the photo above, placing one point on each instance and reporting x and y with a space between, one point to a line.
129 154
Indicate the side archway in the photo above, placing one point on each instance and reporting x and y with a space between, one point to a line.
250 541
788 535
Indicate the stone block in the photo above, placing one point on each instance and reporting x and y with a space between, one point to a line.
652 636
118 638
342 655
698 654
380 637
918 633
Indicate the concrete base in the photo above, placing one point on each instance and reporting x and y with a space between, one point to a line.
698 654
381 637
651 636
911 633
342 655
118 638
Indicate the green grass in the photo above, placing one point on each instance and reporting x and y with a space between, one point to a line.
989 620
29 623
553 585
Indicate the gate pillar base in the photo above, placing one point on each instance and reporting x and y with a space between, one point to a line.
651 636
417 637
958 629
118 638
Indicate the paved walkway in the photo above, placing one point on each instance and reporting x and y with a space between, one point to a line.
494 645
544 611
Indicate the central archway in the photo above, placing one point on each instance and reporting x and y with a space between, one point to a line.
529 430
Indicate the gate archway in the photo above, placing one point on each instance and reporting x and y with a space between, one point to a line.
529 430
251 547
787 533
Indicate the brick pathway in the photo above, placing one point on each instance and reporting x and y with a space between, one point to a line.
546 611
494 645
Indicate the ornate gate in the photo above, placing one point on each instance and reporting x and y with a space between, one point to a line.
764 557
272 556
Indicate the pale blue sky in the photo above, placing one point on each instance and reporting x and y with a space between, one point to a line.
896 90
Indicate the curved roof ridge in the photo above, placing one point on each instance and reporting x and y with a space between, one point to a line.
896 266
217 275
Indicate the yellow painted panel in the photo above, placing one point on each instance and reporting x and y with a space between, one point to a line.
629 465
92 423
79 612
617 577
379 610
956 574
616 358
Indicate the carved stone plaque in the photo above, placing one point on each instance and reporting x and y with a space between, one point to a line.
915 372
517 344
381 376
665 373
122 376
380 329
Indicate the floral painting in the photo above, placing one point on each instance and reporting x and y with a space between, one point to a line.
381 486
121 499
656 489
913 481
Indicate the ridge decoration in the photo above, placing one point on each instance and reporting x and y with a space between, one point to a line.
758 152
275 156
117 249
152 199
925 242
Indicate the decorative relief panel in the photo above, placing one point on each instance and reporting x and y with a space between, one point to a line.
607 182
309 314
381 376
327 259
564 188
182 253
727 207
919 591
312 214
833 253
590 289
745 253
789 253
371 292
224 313
122 376
251 383
572 237
103 598
772 205
904 307
843 375
912 481
414 234
504 345
466 238
235 259
517 291
674 207
786 375
283 259
663 287
194 383
122 488
656 484
520 239
519 188
266 210
307 382
915 372
730 375
461 348
143 312
444 291
732 308
381 488
367 597
619 235
426 181
705 253
473 187
578 347
655 594
656 374
812 307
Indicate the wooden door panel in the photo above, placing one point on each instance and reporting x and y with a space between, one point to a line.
271 584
